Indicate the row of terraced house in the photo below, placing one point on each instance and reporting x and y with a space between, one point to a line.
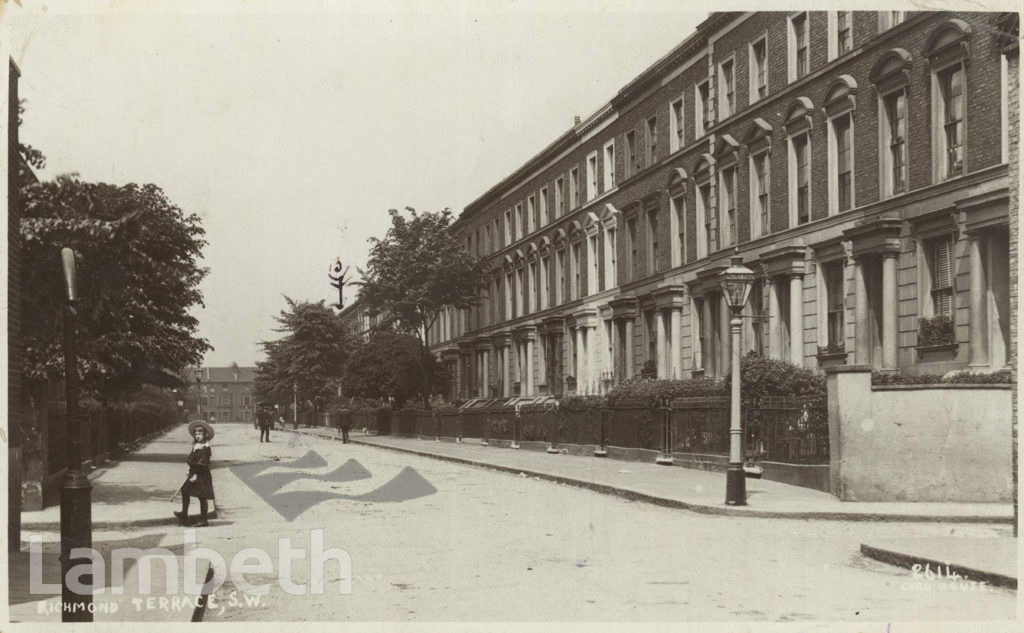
856 161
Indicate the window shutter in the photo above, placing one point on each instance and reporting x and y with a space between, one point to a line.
942 276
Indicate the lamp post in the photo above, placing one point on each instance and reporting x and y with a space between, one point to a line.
736 282
75 489
295 405
199 391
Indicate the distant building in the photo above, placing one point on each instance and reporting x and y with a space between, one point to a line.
358 318
226 393
857 161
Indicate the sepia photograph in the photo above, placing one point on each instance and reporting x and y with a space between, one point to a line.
510 315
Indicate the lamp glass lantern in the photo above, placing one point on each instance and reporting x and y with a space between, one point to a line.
736 282
198 372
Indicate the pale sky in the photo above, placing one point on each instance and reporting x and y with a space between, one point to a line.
292 128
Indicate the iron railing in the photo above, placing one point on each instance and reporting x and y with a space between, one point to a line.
788 430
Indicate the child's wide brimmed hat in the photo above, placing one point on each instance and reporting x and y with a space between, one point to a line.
199 424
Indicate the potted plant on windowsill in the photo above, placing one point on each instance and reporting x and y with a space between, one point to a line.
832 354
936 338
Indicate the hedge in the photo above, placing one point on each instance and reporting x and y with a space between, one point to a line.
881 378
759 377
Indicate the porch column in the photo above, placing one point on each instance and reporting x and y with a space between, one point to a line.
889 310
709 353
528 383
629 347
862 346
724 337
662 346
675 343
542 366
617 362
485 383
796 320
978 341
594 356
774 320
581 360
506 378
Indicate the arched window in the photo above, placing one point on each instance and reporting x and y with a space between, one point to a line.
677 216
947 52
758 140
705 208
798 131
840 104
891 77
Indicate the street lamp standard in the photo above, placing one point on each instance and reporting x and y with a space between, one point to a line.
75 489
199 398
736 281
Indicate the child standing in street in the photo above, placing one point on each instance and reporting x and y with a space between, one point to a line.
199 482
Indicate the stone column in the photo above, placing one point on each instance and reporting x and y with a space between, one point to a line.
506 378
485 384
978 316
581 360
675 344
862 345
542 365
725 336
774 320
528 383
662 346
889 310
709 359
629 347
617 362
796 320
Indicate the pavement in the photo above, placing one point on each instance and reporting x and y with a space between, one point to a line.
129 495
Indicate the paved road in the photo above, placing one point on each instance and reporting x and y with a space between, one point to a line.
494 546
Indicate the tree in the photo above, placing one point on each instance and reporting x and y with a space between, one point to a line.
416 271
137 279
310 357
387 366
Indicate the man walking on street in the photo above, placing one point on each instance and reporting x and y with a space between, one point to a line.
266 421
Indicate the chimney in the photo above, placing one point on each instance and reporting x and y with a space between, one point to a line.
576 120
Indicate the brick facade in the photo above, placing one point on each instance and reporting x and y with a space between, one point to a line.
226 393
668 311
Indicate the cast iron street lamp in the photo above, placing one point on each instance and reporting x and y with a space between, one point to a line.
199 397
75 489
736 282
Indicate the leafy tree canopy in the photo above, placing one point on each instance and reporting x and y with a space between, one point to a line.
415 271
311 355
387 366
137 278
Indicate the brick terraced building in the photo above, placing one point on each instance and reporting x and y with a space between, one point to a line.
857 161
226 393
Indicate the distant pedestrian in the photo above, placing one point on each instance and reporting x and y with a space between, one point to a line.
346 425
266 421
199 482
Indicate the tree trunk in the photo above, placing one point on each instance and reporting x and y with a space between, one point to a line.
428 386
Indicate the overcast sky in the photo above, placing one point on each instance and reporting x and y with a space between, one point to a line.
291 133
292 128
